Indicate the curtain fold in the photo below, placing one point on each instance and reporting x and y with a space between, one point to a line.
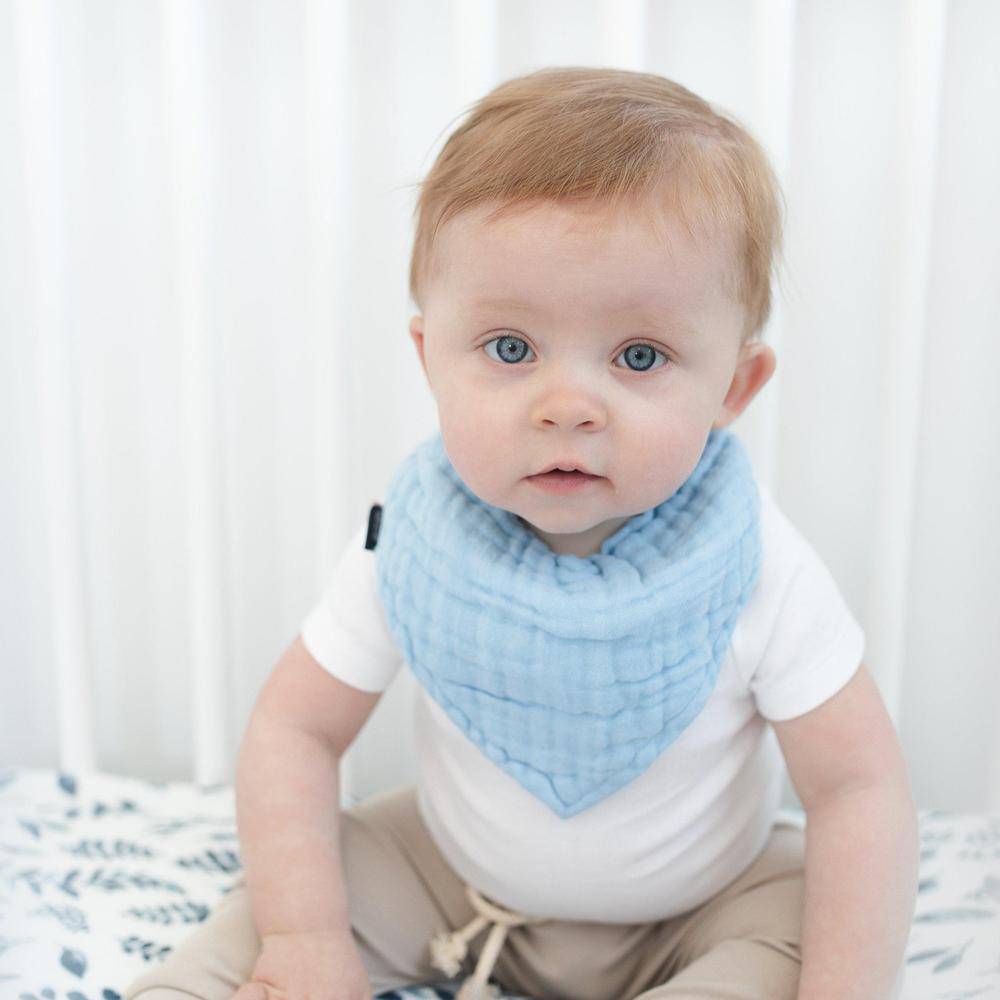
207 380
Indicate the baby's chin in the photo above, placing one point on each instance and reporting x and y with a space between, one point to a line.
568 516
559 522
578 543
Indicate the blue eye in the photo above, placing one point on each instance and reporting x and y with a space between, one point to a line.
642 356
510 349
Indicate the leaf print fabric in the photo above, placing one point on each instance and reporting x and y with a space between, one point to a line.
101 875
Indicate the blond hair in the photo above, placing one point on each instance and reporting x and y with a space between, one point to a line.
608 135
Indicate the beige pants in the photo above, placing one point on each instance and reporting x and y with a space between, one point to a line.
743 943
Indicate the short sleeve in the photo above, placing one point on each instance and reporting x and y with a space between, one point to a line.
346 631
805 643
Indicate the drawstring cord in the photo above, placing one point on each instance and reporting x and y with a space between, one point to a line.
448 950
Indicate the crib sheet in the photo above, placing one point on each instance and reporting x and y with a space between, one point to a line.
102 875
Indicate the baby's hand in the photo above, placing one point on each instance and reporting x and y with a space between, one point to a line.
313 965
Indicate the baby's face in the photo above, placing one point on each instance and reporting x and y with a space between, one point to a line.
582 339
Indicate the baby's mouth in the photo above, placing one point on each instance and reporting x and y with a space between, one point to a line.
564 483
559 476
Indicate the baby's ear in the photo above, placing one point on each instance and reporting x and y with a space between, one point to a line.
754 367
417 334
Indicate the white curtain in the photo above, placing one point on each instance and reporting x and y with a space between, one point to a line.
205 222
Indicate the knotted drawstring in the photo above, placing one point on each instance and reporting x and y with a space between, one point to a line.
448 950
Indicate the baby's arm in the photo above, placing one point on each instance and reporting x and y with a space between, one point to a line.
287 811
862 844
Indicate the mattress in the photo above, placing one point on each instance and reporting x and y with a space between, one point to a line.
101 875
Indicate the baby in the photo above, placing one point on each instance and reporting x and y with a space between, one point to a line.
617 634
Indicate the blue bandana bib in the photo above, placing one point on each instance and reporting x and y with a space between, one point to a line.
572 674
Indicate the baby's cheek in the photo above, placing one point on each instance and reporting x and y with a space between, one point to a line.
662 457
472 450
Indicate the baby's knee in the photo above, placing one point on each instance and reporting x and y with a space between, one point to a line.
152 987
212 962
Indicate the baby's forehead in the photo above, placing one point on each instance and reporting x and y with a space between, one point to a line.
644 244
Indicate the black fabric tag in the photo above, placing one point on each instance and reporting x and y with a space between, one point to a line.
374 520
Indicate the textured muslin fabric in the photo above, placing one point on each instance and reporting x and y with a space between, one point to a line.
676 834
742 943
572 674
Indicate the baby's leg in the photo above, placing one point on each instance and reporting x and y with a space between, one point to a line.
744 943
211 962
400 892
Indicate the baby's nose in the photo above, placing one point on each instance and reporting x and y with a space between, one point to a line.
570 408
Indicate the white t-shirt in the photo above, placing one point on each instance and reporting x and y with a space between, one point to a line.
681 831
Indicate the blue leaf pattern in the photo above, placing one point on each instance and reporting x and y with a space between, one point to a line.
73 960
102 849
989 890
922 956
951 960
101 876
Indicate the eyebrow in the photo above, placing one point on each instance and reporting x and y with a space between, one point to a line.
646 320
501 304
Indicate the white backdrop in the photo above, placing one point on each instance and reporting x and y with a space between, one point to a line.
205 220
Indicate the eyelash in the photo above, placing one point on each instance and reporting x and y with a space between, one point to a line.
638 343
